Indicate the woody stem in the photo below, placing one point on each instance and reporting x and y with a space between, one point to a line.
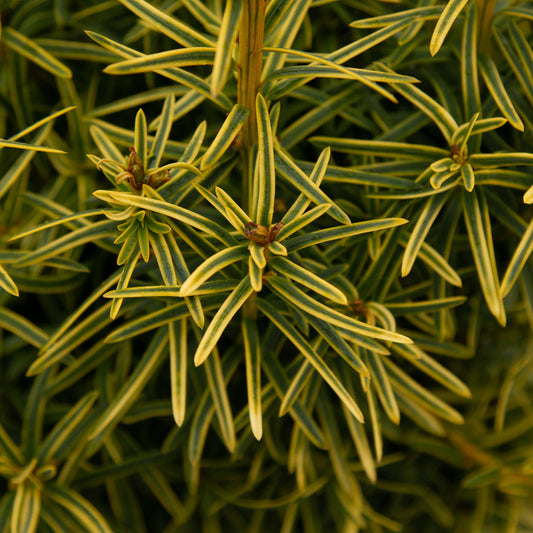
250 60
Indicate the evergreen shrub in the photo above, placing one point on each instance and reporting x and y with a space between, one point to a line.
265 266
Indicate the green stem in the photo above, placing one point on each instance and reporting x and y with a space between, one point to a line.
250 60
